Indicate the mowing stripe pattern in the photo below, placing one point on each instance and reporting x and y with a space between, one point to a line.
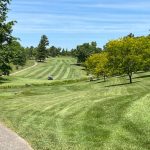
59 68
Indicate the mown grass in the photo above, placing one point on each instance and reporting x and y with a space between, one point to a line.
84 115
59 68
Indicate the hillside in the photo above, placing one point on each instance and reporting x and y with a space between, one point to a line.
112 115
60 68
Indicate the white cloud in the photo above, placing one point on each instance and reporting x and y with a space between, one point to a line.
124 5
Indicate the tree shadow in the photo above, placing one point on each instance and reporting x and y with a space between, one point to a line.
3 80
144 76
76 64
42 62
122 84
139 72
102 81
94 81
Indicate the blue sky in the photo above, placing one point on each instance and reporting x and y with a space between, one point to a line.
68 23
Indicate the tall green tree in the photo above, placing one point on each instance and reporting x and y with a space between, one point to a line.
125 56
85 50
30 52
73 52
145 46
54 51
5 38
18 54
42 52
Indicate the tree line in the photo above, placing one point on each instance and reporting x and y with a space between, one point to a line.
13 53
42 51
125 55
82 52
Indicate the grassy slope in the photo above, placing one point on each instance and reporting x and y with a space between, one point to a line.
61 68
28 64
86 115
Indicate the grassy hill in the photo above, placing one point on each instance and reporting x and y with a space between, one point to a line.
112 115
60 68
28 64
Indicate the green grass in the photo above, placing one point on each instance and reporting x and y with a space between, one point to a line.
28 64
59 68
112 115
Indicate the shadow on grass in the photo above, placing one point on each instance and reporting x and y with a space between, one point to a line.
76 64
144 76
101 81
42 62
122 84
3 80
95 81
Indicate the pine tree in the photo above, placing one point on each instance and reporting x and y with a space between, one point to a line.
41 52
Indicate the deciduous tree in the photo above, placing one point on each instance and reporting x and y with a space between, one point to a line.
97 64
125 56
85 50
18 54
5 38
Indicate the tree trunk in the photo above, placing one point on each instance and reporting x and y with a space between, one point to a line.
104 78
130 77
17 67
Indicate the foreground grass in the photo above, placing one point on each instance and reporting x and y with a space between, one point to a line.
86 115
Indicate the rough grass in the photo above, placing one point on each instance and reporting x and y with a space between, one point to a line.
28 64
112 115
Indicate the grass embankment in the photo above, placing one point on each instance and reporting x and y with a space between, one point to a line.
86 115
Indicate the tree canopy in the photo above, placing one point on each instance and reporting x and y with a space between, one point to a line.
42 52
18 54
97 64
54 51
85 50
126 55
5 38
